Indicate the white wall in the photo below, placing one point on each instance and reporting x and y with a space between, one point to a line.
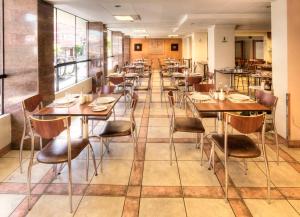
279 61
5 135
186 45
199 46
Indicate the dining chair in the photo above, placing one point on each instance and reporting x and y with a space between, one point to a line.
164 88
205 88
120 87
184 124
29 105
120 128
269 100
241 145
59 150
106 89
98 80
147 88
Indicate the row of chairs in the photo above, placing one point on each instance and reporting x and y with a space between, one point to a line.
231 145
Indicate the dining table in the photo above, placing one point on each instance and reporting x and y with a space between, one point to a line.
222 106
226 105
76 109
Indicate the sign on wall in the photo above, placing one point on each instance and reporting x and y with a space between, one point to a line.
156 46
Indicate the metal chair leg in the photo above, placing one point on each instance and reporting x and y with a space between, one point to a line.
277 146
21 152
94 159
29 174
41 143
267 173
87 162
70 185
202 147
101 155
226 179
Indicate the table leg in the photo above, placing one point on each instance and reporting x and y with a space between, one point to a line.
85 127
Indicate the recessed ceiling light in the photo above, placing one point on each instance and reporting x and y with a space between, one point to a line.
172 36
139 31
118 6
124 17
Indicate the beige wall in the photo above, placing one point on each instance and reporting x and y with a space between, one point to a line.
5 128
199 46
293 32
186 47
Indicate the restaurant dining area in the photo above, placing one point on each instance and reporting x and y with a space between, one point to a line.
149 108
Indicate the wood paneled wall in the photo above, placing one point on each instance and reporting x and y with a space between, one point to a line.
148 54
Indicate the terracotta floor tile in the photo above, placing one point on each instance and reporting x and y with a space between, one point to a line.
158 191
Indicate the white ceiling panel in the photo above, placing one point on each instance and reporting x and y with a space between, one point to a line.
161 17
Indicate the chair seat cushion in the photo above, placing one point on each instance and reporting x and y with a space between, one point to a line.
188 124
240 146
99 118
169 88
116 128
56 151
141 88
166 75
208 114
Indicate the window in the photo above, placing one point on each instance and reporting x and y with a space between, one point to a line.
109 50
2 74
70 49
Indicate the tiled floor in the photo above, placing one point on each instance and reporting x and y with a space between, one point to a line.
150 186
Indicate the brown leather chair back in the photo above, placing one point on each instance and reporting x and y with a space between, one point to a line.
116 80
204 87
266 99
107 89
171 98
246 124
32 103
192 80
49 129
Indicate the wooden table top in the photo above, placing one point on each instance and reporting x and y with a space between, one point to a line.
78 110
228 106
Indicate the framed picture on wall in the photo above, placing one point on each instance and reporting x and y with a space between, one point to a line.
138 47
174 47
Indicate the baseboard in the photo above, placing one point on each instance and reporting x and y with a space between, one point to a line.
5 150
294 143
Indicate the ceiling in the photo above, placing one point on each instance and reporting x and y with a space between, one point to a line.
161 18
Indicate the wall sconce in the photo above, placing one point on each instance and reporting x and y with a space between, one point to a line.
224 40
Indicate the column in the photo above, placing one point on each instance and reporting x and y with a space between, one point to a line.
221 50
285 60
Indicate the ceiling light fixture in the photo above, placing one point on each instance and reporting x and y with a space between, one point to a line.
123 17
127 17
172 36
118 6
139 31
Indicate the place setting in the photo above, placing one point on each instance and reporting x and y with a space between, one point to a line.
101 103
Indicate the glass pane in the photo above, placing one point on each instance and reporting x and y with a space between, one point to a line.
82 71
109 44
81 39
66 76
1 54
65 37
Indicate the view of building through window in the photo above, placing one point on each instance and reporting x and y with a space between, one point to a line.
71 56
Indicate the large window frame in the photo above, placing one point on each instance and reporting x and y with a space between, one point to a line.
76 62
2 70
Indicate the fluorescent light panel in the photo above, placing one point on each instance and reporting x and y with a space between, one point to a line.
139 31
172 36
123 17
